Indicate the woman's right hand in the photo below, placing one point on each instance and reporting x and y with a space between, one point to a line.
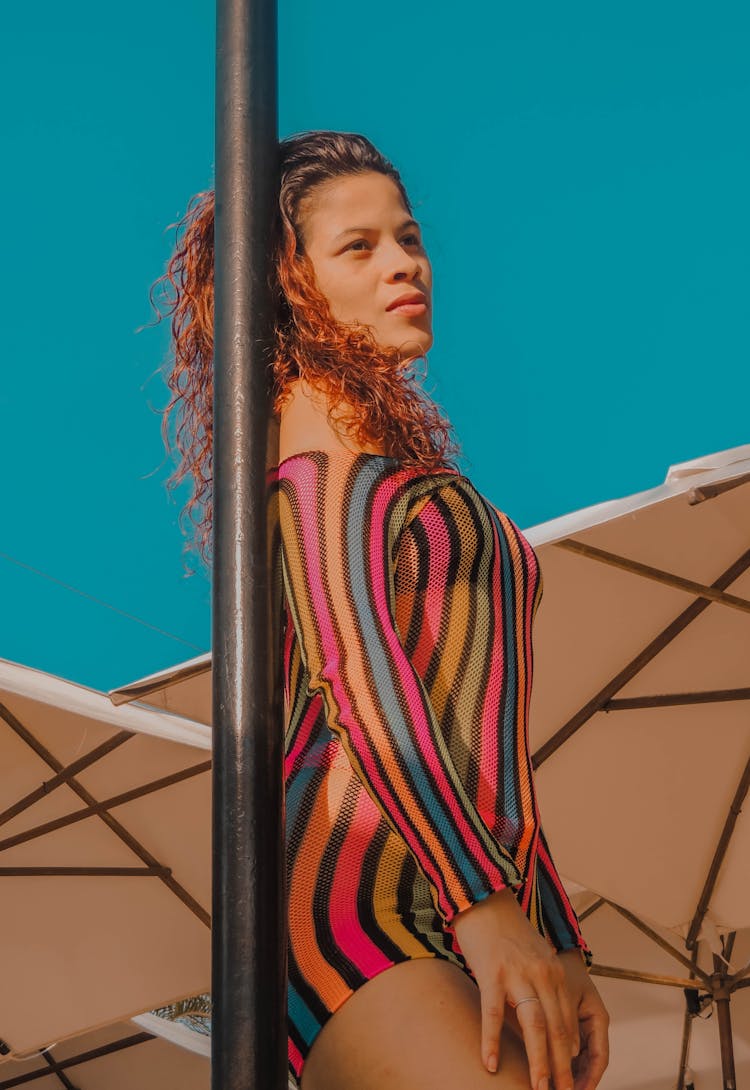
511 961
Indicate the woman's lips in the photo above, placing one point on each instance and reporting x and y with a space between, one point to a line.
409 309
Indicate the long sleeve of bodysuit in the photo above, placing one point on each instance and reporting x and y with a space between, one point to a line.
559 919
341 516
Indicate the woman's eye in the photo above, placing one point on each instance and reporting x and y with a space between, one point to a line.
358 243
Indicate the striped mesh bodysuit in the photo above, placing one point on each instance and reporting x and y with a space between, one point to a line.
407 606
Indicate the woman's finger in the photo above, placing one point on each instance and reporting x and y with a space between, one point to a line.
557 1036
493 1009
570 1018
533 1025
597 1049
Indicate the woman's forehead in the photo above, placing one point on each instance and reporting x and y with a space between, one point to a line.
359 201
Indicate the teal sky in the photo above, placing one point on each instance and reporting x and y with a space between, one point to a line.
582 174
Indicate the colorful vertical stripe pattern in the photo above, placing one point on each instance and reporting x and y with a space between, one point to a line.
409 602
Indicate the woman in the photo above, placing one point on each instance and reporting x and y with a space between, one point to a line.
431 943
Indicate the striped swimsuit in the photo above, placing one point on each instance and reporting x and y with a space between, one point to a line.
407 602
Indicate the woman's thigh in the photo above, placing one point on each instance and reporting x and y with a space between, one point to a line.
415 1026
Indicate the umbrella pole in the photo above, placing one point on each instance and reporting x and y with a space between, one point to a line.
725 1041
722 996
248 940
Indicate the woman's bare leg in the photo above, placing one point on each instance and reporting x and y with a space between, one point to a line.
415 1026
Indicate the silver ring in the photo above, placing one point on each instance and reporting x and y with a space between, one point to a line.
528 1000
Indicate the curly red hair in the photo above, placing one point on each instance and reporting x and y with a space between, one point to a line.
378 399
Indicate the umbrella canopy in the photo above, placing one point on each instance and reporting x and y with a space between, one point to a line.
105 869
148 1052
639 719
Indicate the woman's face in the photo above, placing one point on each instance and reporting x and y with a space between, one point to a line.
367 252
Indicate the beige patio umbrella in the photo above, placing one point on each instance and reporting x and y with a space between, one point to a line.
146 1052
640 723
105 868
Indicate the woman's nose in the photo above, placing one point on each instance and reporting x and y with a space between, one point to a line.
404 265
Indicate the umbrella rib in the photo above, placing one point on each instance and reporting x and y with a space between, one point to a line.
59 1075
107 804
65 773
586 912
655 937
81 1058
117 828
673 700
741 974
629 671
728 945
708 491
136 690
646 571
640 977
735 808
98 872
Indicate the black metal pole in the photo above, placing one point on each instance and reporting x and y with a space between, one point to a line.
249 918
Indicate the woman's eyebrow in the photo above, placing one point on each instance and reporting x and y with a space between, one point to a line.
351 230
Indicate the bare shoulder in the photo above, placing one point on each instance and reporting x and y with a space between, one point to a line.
307 423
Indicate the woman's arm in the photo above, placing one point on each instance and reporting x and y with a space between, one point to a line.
340 517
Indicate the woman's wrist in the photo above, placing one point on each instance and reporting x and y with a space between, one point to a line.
496 901
576 953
